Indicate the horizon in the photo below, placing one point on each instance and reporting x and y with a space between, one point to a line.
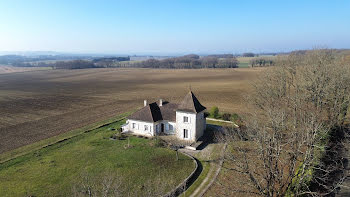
57 53
172 28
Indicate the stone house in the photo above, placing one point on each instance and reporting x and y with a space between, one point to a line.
185 120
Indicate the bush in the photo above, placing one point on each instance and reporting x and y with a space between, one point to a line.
160 143
236 118
226 116
214 112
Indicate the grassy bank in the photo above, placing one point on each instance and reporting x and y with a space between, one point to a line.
43 143
56 169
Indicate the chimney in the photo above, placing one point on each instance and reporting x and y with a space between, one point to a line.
144 103
160 102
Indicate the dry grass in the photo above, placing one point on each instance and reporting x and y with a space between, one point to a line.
41 104
231 182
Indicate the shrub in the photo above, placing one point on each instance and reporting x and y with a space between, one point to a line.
226 116
235 117
160 143
214 112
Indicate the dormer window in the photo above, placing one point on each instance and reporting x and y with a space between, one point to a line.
185 119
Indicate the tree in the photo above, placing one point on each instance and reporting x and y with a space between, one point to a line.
192 56
209 62
228 63
248 54
295 106
261 62
214 112
226 116
108 184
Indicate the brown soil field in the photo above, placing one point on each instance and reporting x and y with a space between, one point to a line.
41 104
11 69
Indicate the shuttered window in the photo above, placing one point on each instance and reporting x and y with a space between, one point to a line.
185 119
185 133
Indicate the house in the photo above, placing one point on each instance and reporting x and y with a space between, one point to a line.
185 120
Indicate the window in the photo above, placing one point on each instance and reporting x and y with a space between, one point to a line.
185 119
171 127
133 125
185 133
146 128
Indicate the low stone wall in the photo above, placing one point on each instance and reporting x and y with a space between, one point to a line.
189 180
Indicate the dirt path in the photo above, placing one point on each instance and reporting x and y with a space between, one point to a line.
211 176
215 163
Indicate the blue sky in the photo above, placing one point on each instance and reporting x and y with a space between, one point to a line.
173 26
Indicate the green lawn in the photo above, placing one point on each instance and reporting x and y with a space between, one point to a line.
243 65
218 123
57 169
201 177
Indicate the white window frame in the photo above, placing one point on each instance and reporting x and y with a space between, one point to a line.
134 125
146 128
171 127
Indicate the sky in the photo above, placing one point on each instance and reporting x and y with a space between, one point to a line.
173 26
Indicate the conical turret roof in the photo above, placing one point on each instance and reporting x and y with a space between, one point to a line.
191 104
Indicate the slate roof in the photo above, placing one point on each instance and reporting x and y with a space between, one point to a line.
153 112
191 104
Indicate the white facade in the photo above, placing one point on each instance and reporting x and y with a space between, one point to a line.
167 127
140 127
188 126
186 121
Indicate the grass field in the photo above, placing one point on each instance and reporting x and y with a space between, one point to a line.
57 169
38 105
244 62
10 69
243 65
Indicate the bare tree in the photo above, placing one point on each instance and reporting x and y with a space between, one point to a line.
109 184
159 186
295 106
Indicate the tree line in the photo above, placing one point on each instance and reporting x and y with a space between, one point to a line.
261 62
191 61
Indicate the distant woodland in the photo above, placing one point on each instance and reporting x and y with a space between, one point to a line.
191 61
187 61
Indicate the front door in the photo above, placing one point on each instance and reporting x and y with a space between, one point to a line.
162 127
